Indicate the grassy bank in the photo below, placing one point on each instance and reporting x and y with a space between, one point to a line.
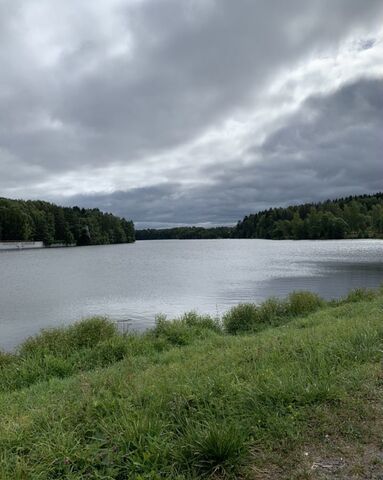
287 390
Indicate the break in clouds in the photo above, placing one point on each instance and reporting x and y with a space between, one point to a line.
190 112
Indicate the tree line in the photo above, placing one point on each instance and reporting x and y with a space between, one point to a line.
184 233
349 217
42 221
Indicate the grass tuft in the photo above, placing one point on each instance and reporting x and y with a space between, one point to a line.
360 294
214 450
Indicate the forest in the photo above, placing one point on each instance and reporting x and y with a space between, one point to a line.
350 217
42 221
184 233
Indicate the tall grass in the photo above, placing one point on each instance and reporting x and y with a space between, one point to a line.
188 400
252 318
96 343
186 329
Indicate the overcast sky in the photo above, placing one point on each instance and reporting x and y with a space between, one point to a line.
190 111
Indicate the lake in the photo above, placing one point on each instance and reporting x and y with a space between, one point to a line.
134 282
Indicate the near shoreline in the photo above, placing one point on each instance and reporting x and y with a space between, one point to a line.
286 390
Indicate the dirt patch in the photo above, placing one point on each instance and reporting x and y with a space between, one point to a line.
343 463
365 462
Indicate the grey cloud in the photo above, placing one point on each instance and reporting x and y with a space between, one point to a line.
191 66
337 138
332 147
195 72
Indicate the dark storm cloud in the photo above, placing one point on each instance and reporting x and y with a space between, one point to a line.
91 89
335 140
332 146
192 66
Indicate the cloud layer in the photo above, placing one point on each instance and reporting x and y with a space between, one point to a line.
190 112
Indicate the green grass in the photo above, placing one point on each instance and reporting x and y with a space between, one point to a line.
248 317
190 400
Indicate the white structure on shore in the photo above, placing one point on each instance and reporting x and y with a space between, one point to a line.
20 245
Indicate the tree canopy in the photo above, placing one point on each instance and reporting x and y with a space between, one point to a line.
350 217
184 233
42 221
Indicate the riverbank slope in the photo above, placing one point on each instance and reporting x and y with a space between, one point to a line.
294 394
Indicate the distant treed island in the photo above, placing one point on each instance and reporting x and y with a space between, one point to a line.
42 221
184 233
350 217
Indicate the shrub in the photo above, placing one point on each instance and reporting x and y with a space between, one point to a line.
301 303
184 330
64 341
6 359
108 352
241 318
87 333
47 341
247 317
175 332
272 310
360 294
192 319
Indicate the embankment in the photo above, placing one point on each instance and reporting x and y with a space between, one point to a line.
289 390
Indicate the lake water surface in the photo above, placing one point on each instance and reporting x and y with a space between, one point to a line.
134 282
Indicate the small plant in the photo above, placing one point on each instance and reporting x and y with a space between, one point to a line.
272 310
185 329
175 332
91 332
360 294
192 319
241 318
111 351
301 303
47 341
6 359
215 450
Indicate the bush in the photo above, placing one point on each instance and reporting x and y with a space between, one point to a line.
87 333
47 341
249 317
64 341
241 318
6 359
302 303
360 294
192 319
272 310
173 331
184 330
106 353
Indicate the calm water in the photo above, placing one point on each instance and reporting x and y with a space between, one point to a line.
44 288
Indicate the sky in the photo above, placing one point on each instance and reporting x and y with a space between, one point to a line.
180 112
